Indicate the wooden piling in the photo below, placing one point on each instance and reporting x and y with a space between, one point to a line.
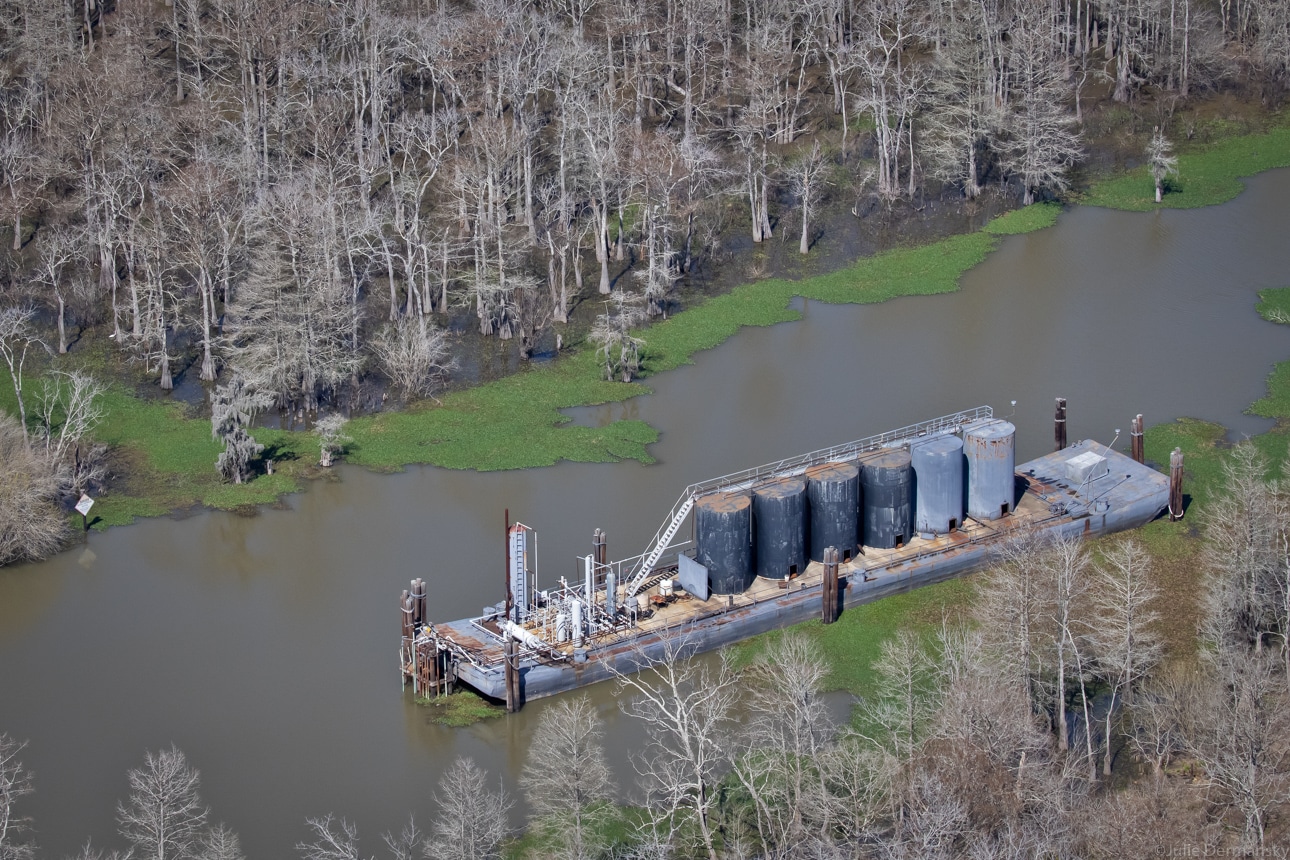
512 678
1176 485
829 611
1059 425
1136 441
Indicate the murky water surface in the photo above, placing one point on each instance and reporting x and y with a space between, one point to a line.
265 647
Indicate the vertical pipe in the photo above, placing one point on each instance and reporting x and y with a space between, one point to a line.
611 599
506 571
1059 425
1176 485
589 588
1139 452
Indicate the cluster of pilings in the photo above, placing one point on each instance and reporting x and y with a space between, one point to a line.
1137 449
427 667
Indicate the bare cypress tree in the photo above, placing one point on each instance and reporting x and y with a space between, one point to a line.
567 779
233 408
472 819
163 816
1161 161
686 708
1126 644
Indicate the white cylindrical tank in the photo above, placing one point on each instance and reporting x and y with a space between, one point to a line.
576 606
991 460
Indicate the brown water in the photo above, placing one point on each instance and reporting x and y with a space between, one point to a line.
265 647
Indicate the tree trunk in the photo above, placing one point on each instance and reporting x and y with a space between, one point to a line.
806 236
62 326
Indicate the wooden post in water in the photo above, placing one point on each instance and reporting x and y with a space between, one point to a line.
1059 425
1135 436
1176 485
829 612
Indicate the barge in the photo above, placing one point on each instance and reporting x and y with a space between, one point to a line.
802 538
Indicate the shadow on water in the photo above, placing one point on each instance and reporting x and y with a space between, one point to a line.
265 647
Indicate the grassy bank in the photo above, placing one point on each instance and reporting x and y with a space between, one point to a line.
1207 174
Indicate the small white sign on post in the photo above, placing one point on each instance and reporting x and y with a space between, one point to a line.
84 505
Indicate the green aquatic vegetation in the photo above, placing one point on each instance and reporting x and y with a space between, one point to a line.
460 709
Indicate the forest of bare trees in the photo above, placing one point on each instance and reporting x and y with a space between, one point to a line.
278 188
1049 721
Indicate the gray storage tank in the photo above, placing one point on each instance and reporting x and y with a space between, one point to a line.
886 486
723 538
938 484
991 463
779 527
833 493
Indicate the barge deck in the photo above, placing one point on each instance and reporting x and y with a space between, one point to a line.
1085 489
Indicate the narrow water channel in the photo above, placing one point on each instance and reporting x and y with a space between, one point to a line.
265 647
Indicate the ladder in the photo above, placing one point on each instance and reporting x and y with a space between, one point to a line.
662 540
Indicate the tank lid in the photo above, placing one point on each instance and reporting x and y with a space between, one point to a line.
992 429
780 488
946 444
832 472
894 458
723 503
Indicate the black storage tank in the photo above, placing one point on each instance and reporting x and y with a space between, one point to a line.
833 491
939 486
723 535
886 482
779 527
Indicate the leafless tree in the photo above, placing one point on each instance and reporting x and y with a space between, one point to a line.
414 354
686 708
68 408
1245 530
617 348
406 845
17 337
905 694
778 754
808 178
334 839
331 439
15 784
163 817
219 843
1040 142
31 524
1241 737
1124 637
567 779
1161 161
472 818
